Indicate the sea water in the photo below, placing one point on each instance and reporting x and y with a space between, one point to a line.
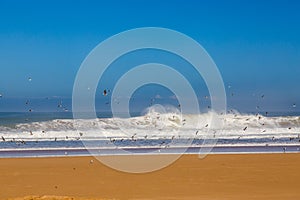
57 133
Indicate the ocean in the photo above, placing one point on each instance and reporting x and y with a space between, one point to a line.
38 134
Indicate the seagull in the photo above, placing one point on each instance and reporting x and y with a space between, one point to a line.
284 149
112 140
59 105
0 95
105 92
132 137
29 79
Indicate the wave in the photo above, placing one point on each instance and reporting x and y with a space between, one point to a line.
159 123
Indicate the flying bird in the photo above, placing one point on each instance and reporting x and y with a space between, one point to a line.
104 92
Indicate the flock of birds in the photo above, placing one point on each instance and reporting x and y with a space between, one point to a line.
133 138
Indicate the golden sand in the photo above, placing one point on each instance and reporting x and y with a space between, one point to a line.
217 177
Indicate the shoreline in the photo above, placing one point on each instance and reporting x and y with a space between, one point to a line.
131 151
232 176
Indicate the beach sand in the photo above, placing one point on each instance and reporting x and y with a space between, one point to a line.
251 176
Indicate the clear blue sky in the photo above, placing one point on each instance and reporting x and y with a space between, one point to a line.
255 44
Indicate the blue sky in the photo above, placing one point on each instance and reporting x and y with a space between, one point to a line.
255 44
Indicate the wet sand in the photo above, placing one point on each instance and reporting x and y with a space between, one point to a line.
251 176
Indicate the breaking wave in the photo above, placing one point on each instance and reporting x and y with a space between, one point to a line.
160 123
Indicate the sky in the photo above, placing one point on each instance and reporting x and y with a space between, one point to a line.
255 44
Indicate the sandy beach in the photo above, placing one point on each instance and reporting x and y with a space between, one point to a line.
251 176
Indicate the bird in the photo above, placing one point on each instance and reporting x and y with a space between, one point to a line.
259 117
132 137
112 140
29 79
245 128
59 105
104 92
3 138
0 95
284 149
